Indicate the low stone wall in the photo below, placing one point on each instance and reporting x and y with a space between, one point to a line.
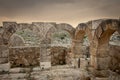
24 56
59 55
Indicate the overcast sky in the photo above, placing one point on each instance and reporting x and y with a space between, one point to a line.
60 11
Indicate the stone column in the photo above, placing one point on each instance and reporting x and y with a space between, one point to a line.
100 62
93 50
45 56
79 59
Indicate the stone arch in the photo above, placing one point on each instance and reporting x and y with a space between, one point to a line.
81 30
66 27
106 29
16 40
59 27
100 45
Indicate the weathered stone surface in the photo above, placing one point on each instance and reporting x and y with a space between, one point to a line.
16 40
103 52
45 51
93 61
78 49
84 75
114 76
4 77
101 79
45 65
4 67
66 27
3 60
102 57
19 70
43 28
9 29
4 51
24 56
100 73
103 63
19 75
36 69
58 55
83 63
114 63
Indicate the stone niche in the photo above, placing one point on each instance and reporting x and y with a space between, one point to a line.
24 56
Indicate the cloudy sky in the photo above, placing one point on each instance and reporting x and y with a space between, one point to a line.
60 11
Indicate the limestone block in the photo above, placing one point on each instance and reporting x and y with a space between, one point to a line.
93 61
75 63
36 69
4 77
19 70
45 65
103 52
24 56
93 50
100 73
83 63
4 67
4 51
19 75
101 78
3 60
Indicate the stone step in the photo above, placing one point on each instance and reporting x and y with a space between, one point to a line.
19 70
19 76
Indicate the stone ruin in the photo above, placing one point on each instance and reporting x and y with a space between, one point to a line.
21 60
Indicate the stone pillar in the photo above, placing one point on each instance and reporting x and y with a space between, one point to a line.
100 63
4 54
79 59
93 50
45 56
4 63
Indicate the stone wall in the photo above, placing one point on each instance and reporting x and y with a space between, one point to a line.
59 55
24 56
